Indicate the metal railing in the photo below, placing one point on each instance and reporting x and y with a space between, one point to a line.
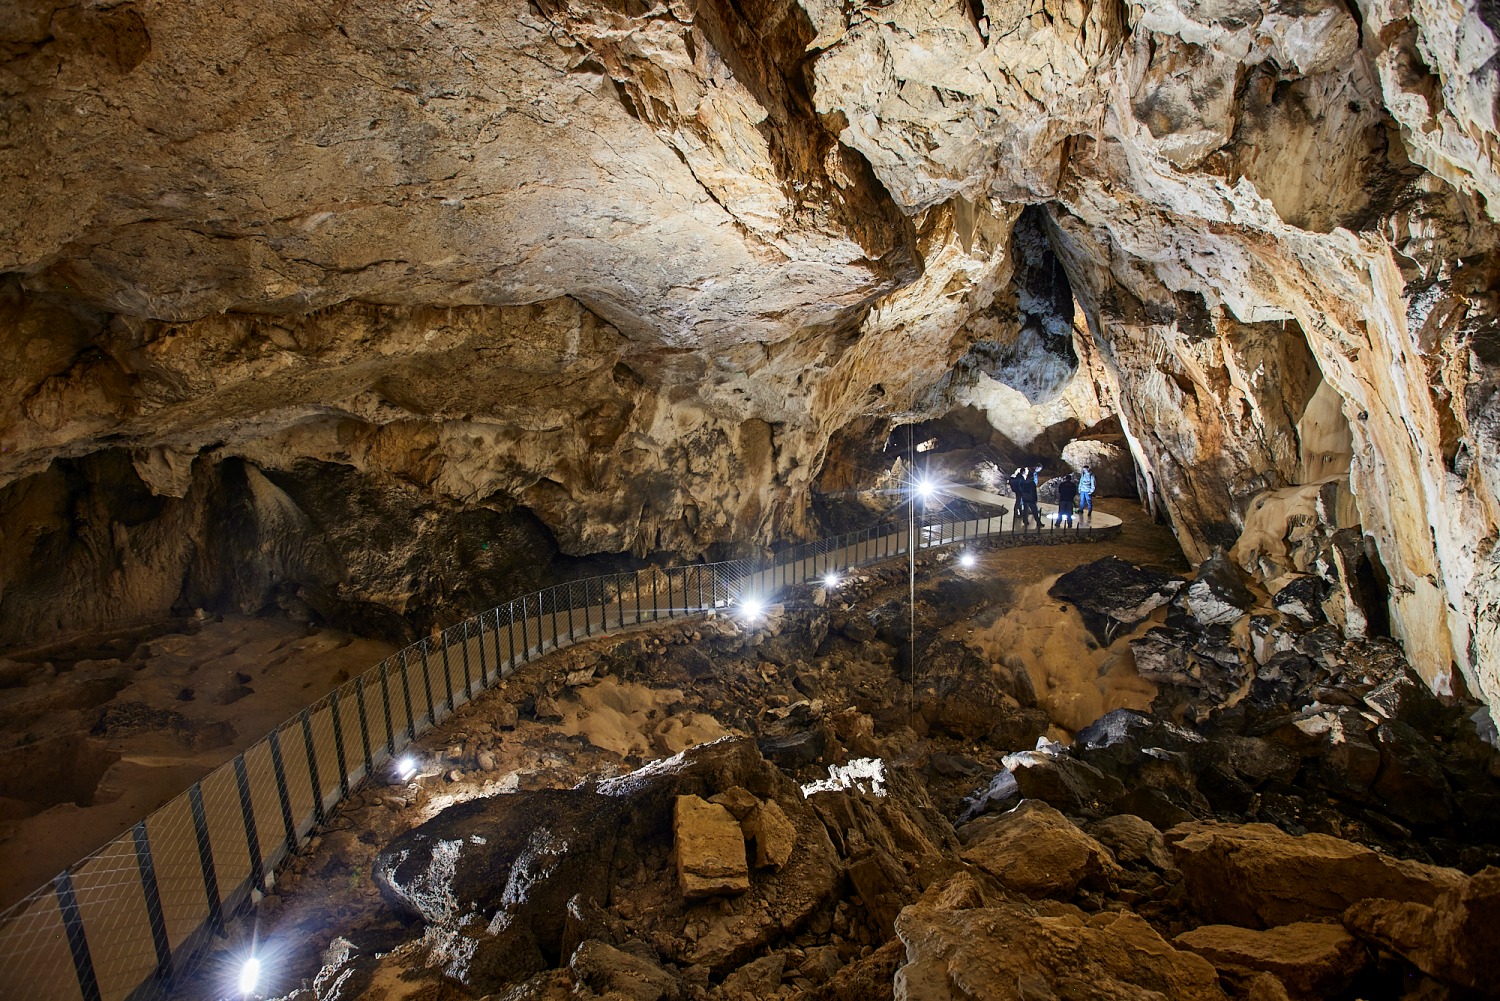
129 919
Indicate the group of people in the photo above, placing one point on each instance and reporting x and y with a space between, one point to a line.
1026 480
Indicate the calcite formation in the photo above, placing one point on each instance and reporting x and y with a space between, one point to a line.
609 279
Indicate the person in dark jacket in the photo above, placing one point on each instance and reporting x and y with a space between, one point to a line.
1067 489
1024 484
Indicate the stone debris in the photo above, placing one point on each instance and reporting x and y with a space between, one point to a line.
1279 839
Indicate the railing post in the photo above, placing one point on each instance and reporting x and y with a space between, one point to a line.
279 768
154 916
555 644
447 672
78 942
427 684
206 859
484 671
411 717
364 726
247 808
638 597
312 766
468 678
338 742
385 701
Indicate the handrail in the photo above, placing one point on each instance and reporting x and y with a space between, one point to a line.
132 917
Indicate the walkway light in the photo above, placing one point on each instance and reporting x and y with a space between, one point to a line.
751 609
831 579
249 976
406 768
966 560
925 489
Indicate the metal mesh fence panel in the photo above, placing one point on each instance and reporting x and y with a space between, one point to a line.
35 960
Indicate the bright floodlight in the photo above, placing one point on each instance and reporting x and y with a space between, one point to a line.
406 767
966 560
750 608
925 489
249 975
831 579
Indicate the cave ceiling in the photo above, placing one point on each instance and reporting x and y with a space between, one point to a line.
635 269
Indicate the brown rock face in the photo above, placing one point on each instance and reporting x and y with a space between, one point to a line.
1453 939
1004 953
1036 851
1310 960
1257 876
639 278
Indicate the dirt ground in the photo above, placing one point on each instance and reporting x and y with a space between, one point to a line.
94 740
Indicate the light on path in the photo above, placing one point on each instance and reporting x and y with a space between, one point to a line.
405 769
966 560
751 609
831 580
249 976
925 489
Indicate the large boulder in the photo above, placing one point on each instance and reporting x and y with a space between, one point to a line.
1220 594
1258 876
612 973
1063 781
1009 952
1112 594
1036 851
1456 939
1312 960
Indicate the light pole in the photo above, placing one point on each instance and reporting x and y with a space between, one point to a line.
923 490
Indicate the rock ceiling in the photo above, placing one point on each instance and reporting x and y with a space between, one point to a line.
634 268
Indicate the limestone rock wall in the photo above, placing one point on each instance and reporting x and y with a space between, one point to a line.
630 274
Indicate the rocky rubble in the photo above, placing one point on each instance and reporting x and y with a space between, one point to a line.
1235 847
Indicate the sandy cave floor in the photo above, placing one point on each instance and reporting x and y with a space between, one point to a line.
94 740
517 736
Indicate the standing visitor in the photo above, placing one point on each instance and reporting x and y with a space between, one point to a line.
1029 509
1017 483
1066 490
1086 495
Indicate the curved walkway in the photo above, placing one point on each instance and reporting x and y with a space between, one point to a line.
125 921
1097 520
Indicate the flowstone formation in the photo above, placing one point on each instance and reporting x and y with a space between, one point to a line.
614 279
794 808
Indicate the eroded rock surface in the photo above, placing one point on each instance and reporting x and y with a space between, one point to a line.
633 281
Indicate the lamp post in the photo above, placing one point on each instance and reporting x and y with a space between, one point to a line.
923 490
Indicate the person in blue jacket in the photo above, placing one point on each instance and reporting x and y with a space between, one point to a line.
1086 494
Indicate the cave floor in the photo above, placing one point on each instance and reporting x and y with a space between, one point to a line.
93 740
533 731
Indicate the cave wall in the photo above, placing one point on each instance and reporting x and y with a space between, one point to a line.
632 270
